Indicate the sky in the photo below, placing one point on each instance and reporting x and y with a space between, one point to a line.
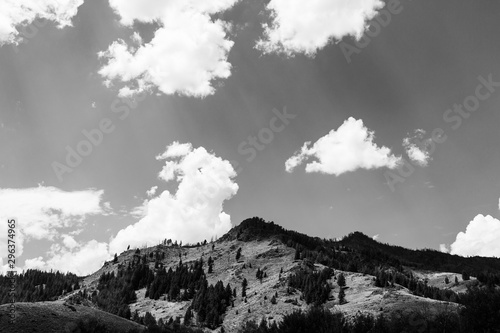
130 122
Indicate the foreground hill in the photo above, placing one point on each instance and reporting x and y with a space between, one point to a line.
59 317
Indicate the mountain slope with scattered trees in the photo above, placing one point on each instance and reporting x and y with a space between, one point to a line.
265 275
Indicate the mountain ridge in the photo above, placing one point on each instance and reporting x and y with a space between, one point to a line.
286 271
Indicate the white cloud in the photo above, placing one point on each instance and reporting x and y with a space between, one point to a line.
417 148
443 248
375 237
188 51
151 191
306 26
348 148
79 259
69 242
195 211
481 238
139 211
41 211
21 13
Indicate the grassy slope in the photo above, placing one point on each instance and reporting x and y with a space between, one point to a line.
55 317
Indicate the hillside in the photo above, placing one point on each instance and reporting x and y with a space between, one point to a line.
427 259
264 247
272 256
285 272
59 317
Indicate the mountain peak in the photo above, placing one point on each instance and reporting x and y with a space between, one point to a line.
255 228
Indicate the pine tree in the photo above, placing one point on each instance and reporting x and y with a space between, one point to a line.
210 265
341 280
188 316
238 254
259 274
341 296
297 253
244 285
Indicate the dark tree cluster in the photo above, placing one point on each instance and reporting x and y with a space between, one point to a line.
482 309
162 326
489 278
417 287
210 303
172 282
115 293
321 320
38 286
314 285
189 282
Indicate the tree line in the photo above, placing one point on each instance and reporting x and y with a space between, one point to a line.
38 286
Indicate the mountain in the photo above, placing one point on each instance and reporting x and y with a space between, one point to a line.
353 284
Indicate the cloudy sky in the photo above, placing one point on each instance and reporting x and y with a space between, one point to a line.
125 122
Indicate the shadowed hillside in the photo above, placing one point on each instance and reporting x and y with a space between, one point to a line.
481 267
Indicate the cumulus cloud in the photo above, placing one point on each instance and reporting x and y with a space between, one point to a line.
15 14
187 53
481 238
69 241
306 26
348 148
80 259
41 211
417 148
443 248
195 211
